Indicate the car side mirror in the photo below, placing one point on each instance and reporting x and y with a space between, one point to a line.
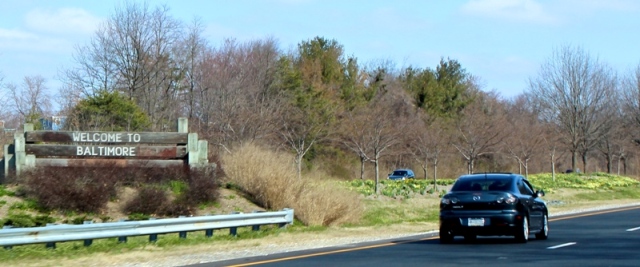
540 193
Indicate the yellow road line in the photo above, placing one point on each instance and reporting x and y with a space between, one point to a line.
594 213
327 253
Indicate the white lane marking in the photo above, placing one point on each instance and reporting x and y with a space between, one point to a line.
563 245
633 229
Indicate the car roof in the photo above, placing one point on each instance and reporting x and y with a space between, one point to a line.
402 170
489 175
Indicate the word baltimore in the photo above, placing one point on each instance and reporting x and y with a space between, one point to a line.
116 151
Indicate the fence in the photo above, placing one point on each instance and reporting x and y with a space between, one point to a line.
51 234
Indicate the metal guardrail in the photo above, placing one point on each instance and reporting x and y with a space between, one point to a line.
63 232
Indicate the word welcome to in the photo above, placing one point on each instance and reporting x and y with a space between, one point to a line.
106 137
113 151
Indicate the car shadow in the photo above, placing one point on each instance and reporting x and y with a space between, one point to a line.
489 240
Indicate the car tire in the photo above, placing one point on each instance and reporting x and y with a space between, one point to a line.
522 233
544 232
446 236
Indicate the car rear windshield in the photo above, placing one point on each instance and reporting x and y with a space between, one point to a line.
482 184
399 172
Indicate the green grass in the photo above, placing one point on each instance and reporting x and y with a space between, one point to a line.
6 192
632 192
392 215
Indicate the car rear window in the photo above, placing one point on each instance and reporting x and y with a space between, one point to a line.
482 184
399 172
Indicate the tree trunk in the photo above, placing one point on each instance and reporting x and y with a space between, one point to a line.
519 167
435 174
553 167
574 160
526 168
362 160
299 163
584 163
377 179
425 168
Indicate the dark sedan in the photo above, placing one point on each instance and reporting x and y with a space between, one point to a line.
493 204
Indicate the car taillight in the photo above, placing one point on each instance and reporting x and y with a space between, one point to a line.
509 199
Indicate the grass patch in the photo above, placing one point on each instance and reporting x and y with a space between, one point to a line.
6 192
613 194
384 213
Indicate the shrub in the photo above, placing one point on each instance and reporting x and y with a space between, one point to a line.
270 180
150 200
202 187
71 188
88 189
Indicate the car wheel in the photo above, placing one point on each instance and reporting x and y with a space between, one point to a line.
446 236
522 234
544 232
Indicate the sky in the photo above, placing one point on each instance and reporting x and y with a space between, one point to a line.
501 42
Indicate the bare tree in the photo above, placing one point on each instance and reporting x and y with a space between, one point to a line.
31 99
551 144
480 129
526 133
631 99
573 91
234 100
134 52
428 142
191 54
611 146
353 135
301 130
384 131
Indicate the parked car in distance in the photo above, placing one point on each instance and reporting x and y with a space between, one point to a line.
401 174
493 204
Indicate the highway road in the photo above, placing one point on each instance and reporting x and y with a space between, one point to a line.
604 238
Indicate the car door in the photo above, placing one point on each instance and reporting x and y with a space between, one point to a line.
527 199
538 208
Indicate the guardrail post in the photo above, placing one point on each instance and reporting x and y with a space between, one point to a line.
234 230
153 237
208 232
183 234
88 242
256 227
122 239
50 245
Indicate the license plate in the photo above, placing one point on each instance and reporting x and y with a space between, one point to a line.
475 222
